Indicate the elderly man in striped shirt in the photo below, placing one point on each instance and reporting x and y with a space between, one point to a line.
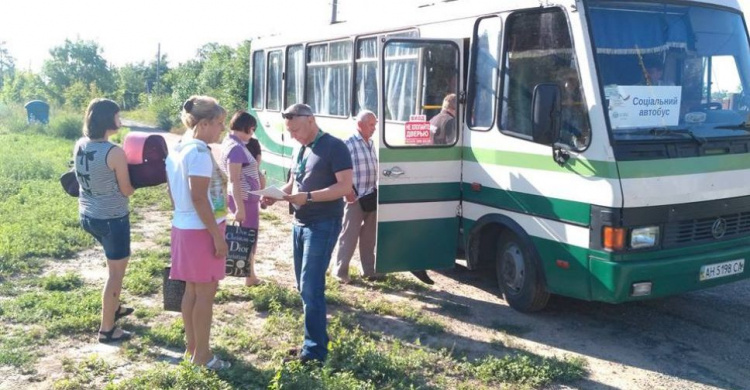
359 225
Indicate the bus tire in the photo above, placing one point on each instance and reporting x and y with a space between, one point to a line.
519 276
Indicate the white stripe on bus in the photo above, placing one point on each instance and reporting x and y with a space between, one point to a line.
534 226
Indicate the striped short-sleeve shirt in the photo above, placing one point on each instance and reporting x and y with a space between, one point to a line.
100 196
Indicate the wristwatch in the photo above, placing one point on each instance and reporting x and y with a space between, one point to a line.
309 197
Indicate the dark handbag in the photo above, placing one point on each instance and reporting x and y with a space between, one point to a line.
70 183
173 292
369 202
240 241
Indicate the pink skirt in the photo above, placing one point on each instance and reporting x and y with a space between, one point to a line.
193 257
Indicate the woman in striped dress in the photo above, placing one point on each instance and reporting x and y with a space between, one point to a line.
242 169
102 174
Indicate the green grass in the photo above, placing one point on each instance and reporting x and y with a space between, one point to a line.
66 282
19 347
151 196
528 369
145 270
59 312
163 376
84 374
265 295
39 219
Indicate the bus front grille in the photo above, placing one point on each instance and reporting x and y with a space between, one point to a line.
696 231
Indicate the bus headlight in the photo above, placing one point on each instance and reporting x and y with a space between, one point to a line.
644 237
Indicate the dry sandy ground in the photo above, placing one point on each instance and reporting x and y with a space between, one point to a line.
698 340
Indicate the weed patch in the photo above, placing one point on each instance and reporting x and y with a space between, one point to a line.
84 374
66 282
264 295
18 347
163 376
527 369
144 273
59 312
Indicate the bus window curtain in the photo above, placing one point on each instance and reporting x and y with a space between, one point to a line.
367 67
295 83
401 81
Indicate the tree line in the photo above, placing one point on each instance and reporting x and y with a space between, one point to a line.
77 72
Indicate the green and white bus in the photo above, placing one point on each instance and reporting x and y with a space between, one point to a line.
601 148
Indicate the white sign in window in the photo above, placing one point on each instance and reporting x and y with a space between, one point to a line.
633 106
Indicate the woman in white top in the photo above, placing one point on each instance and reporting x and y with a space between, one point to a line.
197 188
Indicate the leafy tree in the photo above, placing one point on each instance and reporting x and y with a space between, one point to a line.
7 64
79 61
24 86
131 85
184 81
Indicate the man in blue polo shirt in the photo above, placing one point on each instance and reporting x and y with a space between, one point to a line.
321 176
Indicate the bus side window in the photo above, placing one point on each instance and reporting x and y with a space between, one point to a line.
483 78
539 50
259 79
273 93
329 67
295 75
366 87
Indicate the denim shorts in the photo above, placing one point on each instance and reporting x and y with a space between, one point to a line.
113 234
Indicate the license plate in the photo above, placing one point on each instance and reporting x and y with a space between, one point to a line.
720 270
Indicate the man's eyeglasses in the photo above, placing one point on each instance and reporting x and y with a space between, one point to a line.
291 116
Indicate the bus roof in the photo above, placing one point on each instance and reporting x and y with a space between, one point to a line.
376 20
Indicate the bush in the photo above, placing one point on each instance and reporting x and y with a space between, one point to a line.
65 282
164 111
68 126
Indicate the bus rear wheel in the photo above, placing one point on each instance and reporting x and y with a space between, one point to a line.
519 276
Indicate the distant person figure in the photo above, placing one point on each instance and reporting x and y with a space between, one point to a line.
102 174
655 73
320 178
445 122
358 225
198 191
242 169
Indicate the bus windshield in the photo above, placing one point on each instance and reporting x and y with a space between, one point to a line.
670 69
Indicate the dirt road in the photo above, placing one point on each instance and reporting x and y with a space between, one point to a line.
691 341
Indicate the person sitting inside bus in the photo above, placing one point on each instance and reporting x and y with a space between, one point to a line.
654 74
443 125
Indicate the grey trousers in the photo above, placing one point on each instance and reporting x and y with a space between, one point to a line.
357 226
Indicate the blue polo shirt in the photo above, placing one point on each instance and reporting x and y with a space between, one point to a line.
327 156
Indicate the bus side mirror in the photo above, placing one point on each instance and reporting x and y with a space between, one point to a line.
545 116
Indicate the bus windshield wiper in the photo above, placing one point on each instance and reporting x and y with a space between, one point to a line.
742 126
681 132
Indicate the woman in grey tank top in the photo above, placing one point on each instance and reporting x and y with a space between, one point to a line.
102 173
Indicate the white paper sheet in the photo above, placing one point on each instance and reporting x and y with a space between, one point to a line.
270 192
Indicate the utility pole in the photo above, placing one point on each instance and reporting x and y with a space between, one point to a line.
334 11
158 65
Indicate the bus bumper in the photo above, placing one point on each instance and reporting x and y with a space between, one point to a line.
612 281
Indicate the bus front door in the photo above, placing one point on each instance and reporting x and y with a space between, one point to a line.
419 153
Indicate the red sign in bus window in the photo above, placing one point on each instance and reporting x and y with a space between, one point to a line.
418 131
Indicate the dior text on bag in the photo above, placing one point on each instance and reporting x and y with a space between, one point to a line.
240 241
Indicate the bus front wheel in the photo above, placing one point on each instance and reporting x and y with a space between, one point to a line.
519 276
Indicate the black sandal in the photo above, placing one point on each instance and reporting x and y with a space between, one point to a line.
109 336
128 311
